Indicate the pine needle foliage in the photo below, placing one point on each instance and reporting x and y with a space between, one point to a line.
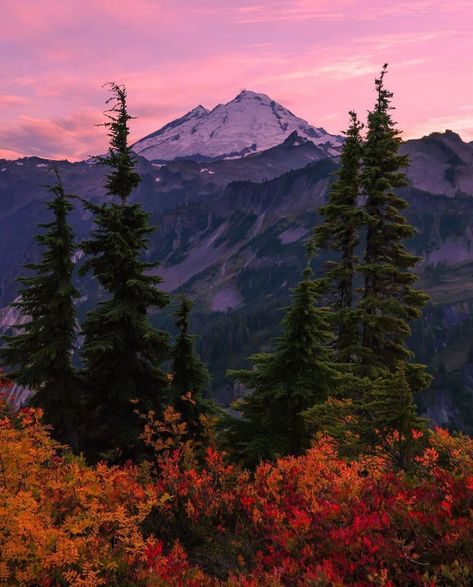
374 395
339 233
38 355
284 383
122 178
189 375
122 351
388 301
371 413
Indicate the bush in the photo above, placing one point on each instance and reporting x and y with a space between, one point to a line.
184 520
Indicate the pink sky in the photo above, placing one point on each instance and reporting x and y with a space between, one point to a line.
316 57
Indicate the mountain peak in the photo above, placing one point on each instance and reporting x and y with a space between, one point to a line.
199 111
250 95
295 139
249 123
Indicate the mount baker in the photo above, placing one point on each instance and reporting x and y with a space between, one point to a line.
249 123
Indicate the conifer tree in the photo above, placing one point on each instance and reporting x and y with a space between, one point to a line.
189 375
39 353
390 416
374 396
284 383
339 233
389 301
377 413
122 351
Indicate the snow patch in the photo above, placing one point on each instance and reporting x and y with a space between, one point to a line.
77 256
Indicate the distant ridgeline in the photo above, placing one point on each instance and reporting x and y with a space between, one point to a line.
233 217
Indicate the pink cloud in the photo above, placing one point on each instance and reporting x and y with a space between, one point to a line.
317 57
11 154
338 10
7 100
62 138
456 122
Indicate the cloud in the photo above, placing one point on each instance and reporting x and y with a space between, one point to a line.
11 154
44 16
462 124
288 10
355 66
316 57
338 10
74 137
13 100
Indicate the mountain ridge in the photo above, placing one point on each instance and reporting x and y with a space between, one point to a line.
232 236
250 123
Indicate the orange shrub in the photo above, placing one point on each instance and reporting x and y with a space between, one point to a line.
61 521
314 520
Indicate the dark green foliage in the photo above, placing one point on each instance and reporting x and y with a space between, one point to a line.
123 178
389 301
339 232
122 352
297 375
391 416
39 353
372 413
373 401
189 375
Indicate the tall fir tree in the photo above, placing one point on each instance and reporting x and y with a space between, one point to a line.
39 353
339 233
388 301
284 383
374 396
189 376
122 352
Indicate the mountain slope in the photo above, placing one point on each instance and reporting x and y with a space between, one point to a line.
440 163
231 233
247 124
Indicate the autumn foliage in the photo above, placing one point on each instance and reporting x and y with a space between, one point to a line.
179 520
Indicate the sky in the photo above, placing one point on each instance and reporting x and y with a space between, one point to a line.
319 58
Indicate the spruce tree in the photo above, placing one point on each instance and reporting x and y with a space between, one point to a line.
189 375
388 301
284 383
122 352
390 416
339 233
39 353
375 413
374 396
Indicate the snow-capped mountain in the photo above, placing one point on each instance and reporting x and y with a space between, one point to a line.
251 122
